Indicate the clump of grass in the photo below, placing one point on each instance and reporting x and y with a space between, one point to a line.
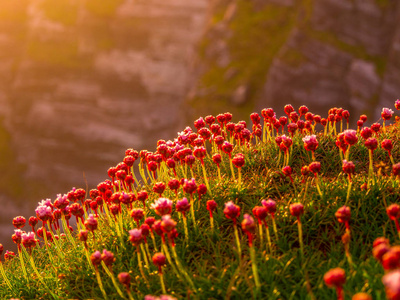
209 258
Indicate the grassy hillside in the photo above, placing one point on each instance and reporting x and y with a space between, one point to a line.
284 217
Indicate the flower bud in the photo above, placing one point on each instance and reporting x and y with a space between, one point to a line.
19 222
135 236
371 143
96 258
231 210
296 209
238 160
125 279
315 167
107 257
183 205
343 214
335 277
393 211
270 205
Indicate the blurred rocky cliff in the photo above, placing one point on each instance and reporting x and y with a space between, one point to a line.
82 80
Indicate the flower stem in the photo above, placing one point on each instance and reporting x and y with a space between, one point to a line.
5 277
205 178
238 241
185 274
100 284
232 170
112 278
300 238
186 229
254 267
162 283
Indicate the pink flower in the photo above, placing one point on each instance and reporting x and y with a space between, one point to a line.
162 206
397 104
91 223
183 205
310 142
386 113
391 282
231 210
189 186
44 213
350 136
28 239
61 201
167 224
135 236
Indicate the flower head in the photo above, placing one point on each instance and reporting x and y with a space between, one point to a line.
386 113
91 223
44 213
231 210
183 205
350 136
310 142
19 222
335 277
391 281
162 206
135 236
296 209
238 160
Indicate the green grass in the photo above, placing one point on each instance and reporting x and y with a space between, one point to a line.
211 258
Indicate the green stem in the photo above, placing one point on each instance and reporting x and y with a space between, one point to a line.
232 170
371 167
186 229
67 232
275 229
166 252
22 264
254 268
100 284
260 231
237 241
5 277
144 255
300 238
317 185
205 177
162 283
113 279
348 192
180 266
192 212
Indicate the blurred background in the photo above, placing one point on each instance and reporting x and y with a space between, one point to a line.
82 80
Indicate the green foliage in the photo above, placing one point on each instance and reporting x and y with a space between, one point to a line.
212 258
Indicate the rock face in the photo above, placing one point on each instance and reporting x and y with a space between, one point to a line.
87 85
320 53
84 80
349 54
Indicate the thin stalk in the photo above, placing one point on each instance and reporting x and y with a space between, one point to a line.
260 232
67 231
154 241
192 212
186 229
144 255
232 170
371 167
100 283
141 266
205 178
166 252
317 185
254 268
239 176
113 279
162 283
21 259
348 192
5 277
237 241
275 229
59 251
39 276
180 266
300 238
